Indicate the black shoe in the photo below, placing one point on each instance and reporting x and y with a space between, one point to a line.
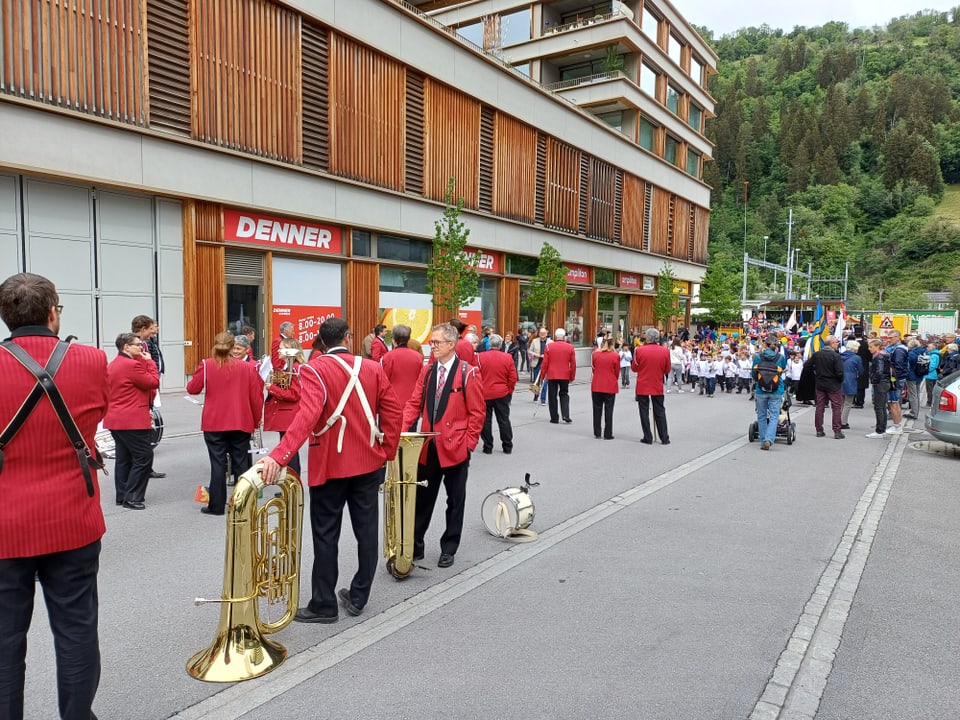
845 426
664 442
596 436
821 433
306 615
133 505
155 474
347 603
860 407
507 450
555 422
207 511
838 435
119 503
607 437
646 441
488 451
445 561
567 420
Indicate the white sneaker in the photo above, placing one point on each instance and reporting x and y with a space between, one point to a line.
876 436
679 390
894 430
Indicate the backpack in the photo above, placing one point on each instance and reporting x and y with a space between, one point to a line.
767 374
922 364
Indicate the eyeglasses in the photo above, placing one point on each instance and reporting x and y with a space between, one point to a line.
136 343
58 308
440 342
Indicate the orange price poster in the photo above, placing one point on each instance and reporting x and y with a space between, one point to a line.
306 319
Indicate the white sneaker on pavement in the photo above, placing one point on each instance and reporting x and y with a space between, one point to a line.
894 430
876 436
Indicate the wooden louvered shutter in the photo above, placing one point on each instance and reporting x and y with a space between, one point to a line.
413 158
486 159
316 99
168 44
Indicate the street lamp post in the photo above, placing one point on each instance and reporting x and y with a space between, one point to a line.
880 291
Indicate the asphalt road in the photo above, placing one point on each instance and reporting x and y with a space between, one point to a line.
705 579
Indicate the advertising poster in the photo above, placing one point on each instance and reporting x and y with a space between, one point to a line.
412 309
305 293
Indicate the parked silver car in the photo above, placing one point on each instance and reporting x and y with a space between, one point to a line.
943 420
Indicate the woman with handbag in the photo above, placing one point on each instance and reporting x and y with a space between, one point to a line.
283 394
232 407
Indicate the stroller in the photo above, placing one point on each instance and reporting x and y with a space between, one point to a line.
786 428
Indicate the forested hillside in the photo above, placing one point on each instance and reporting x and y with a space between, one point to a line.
858 131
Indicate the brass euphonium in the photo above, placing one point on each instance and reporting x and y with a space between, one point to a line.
281 378
400 503
262 564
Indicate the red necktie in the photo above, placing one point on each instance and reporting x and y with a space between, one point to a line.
441 379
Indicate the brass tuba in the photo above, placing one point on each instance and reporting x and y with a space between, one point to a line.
400 503
262 564
281 378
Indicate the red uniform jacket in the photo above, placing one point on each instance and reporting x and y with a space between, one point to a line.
559 362
133 382
278 362
606 372
323 381
282 403
498 372
234 395
45 507
378 348
650 363
465 351
402 366
459 414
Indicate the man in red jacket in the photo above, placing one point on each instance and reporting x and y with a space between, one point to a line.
348 451
448 399
651 362
402 364
499 376
134 378
49 531
560 368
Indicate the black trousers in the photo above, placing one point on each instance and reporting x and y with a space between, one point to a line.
561 388
501 408
359 494
294 463
69 583
880 397
236 444
603 405
454 481
659 417
134 460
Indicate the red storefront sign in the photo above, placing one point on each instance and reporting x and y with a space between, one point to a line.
281 233
578 274
628 281
488 263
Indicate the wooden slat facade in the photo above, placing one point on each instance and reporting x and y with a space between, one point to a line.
204 279
363 300
451 149
315 67
700 234
168 47
660 222
603 196
515 168
562 186
367 133
680 241
86 55
248 94
632 217
509 305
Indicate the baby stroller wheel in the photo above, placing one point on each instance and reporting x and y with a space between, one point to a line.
753 431
791 433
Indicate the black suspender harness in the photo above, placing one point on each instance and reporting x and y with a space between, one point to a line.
46 386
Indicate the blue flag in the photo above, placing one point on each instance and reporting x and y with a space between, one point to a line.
818 332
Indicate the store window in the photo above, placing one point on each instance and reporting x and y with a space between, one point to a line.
361 243
489 303
530 318
574 320
404 249
522 265
405 301
602 276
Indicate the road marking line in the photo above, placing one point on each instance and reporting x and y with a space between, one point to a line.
243 698
796 686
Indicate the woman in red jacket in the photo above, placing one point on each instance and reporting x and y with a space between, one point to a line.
283 399
133 378
604 386
232 407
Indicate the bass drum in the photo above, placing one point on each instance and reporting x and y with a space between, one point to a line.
507 511
156 427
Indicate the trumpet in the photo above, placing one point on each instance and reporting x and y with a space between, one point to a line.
282 378
262 564
400 503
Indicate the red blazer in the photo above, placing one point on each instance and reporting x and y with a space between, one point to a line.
234 395
45 507
606 372
323 381
498 372
402 366
282 404
378 348
460 413
133 382
279 363
465 351
650 363
559 362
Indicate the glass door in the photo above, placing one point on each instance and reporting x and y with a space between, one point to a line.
245 309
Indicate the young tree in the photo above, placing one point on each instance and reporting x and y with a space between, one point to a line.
665 303
452 277
549 284
719 292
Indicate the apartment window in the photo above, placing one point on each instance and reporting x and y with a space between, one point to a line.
647 134
361 243
673 100
695 118
581 70
670 150
585 13
515 28
696 70
693 163
674 48
613 119
472 33
650 25
648 80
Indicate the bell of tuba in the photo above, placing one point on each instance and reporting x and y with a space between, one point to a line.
400 503
262 565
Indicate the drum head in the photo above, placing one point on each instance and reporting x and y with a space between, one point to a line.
505 511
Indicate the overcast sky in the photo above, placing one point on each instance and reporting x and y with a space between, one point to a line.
727 16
